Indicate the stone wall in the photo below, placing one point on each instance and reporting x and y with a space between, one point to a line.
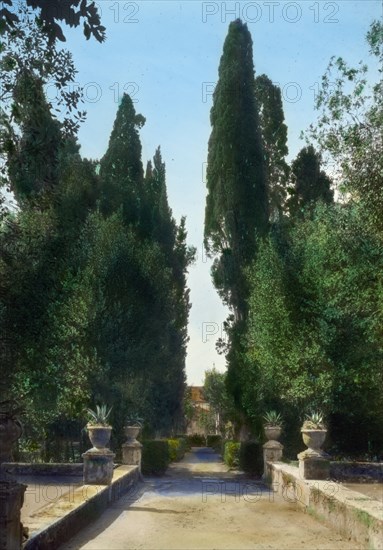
348 512
357 471
56 523
43 469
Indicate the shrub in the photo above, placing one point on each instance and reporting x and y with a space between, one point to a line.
251 458
185 439
177 448
197 440
183 447
155 457
215 442
231 453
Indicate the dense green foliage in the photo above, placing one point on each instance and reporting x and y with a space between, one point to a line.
349 128
309 183
237 208
314 337
196 440
155 457
231 453
93 272
236 204
251 458
177 448
72 12
27 51
311 338
220 401
215 442
274 140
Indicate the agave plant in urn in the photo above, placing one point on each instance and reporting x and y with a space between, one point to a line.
314 433
273 425
98 427
132 428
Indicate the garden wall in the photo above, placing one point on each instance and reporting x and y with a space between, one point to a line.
58 522
348 512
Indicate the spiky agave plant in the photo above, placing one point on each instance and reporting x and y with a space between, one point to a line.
273 418
134 421
100 416
314 421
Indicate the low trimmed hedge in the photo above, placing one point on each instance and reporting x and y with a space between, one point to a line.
155 457
251 458
177 448
231 453
215 442
197 440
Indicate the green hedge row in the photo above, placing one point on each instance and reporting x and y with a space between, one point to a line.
251 458
177 448
157 454
155 457
247 456
231 454
215 442
197 440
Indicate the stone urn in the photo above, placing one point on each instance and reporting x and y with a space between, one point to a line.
132 449
98 461
273 433
314 439
99 436
131 433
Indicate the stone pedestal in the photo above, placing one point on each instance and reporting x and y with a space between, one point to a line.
272 452
11 502
98 467
314 465
131 453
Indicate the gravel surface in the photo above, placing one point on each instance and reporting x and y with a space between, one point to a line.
198 504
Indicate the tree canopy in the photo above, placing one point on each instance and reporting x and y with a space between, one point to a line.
71 12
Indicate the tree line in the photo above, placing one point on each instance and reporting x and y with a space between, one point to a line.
94 301
300 269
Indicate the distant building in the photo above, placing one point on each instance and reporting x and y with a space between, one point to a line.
200 405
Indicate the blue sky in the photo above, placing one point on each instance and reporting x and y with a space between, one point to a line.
166 55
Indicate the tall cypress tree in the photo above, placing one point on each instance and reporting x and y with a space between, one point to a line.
142 328
159 219
236 204
121 167
274 140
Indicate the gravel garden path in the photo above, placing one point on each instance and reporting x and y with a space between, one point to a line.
200 505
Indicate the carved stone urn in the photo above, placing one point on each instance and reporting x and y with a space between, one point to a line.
132 449
314 439
99 436
131 433
273 433
314 462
